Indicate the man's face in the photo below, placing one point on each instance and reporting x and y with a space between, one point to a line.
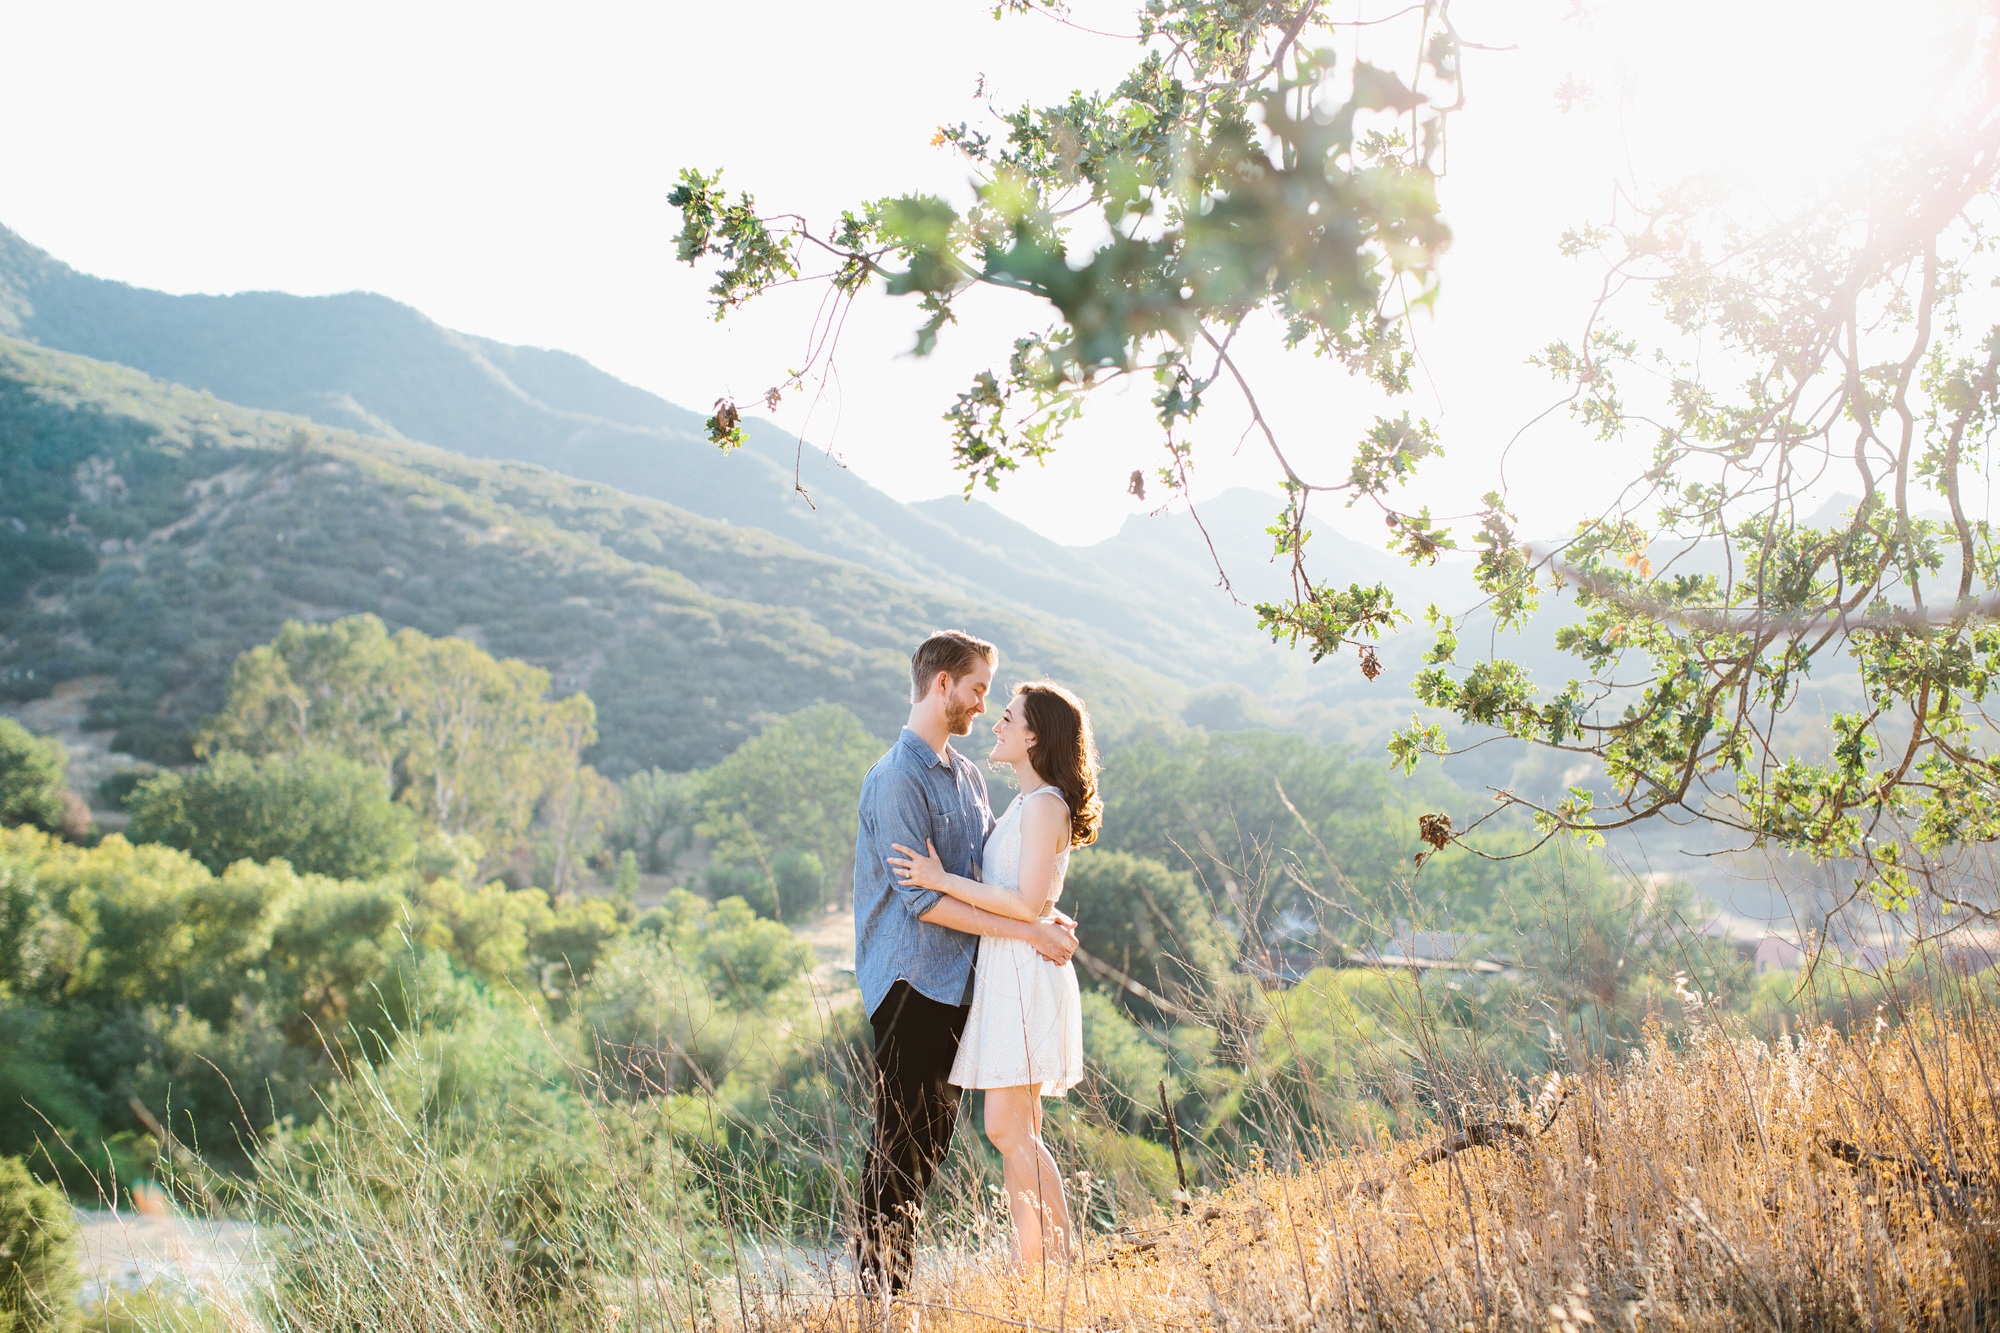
965 698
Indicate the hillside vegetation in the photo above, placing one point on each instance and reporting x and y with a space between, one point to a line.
362 362
462 1101
365 363
149 534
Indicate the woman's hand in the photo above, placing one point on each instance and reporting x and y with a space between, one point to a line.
914 871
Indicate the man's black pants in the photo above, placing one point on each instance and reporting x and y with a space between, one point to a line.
916 1039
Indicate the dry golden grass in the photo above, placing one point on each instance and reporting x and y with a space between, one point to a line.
1826 1182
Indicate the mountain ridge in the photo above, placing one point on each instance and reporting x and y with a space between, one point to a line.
364 362
155 532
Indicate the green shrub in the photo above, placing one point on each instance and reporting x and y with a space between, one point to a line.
32 781
223 1003
798 882
46 1115
38 1275
581 930
779 812
117 789
655 803
1152 924
793 890
746 959
694 996
469 1181
323 813
1124 1063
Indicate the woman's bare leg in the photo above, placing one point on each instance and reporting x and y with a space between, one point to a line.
1034 1189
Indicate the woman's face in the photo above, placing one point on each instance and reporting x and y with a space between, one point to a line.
1011 737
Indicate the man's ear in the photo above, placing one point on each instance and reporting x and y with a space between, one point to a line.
941 683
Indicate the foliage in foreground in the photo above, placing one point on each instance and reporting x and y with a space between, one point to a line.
1714 1179
1835 341
229 1003
231 1006
38 1277
483 1183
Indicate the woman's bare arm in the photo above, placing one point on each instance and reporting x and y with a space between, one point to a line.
923 870
1052 940
1044 834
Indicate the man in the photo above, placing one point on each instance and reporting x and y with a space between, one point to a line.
914 948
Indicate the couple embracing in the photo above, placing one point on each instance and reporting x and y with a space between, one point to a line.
962 957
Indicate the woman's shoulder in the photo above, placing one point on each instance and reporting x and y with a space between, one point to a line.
1050 815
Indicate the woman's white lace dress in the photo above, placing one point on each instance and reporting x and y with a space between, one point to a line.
1026 1024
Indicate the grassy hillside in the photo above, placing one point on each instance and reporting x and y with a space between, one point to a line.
1719 1183
150 533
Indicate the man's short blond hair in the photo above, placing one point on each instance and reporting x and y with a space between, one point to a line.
949 650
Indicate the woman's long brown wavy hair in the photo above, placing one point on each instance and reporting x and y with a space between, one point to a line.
1065 753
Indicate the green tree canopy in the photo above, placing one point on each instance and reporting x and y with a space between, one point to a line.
1151 924
787 794
1276 830
469 742
33 778
228 1002
222 1002
652 804
324 813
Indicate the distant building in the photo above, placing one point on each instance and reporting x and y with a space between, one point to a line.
1417 952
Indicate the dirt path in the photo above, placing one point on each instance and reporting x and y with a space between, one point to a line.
832 940
127 1251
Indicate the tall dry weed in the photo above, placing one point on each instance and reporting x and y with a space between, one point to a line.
1725 1182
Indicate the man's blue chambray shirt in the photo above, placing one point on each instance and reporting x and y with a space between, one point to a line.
910 795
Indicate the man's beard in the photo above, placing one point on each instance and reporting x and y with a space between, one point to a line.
958 718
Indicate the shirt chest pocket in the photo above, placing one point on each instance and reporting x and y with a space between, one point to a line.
948 833
959 834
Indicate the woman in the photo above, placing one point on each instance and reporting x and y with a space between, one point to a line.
1024 1037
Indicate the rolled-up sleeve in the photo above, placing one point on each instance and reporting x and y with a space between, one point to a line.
896 812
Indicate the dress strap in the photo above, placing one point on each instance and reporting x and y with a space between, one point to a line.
1051 789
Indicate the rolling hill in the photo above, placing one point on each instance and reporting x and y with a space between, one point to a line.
381 376
364 363
150 532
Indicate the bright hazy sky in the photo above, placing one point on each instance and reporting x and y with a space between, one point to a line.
503 167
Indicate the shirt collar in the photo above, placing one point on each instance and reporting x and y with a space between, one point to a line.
923 749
